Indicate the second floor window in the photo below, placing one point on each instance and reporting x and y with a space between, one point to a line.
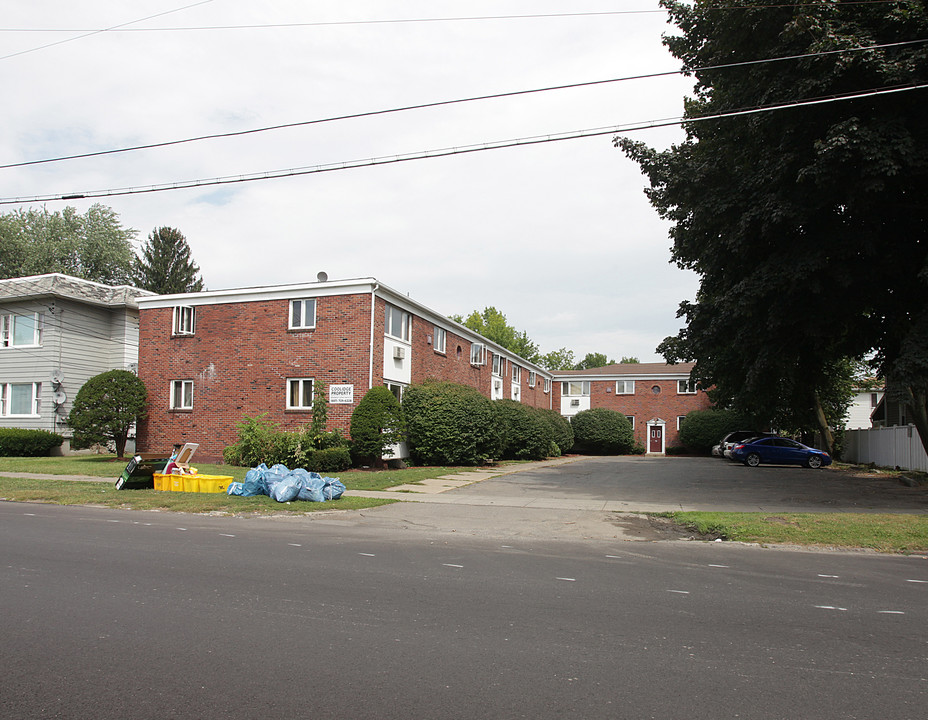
625 387
302 314
299 394
184 320
182 395
397 323
20 330
499 365
576 388
686 387
440 340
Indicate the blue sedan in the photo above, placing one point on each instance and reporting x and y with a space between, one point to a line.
778 451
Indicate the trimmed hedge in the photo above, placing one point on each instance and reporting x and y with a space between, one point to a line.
16 442
450 424
526 436
704 428
603 432
561 431
377 423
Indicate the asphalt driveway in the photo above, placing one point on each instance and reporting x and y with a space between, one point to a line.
648 484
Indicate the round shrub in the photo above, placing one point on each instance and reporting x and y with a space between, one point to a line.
603 432
105 408
333 459
704 428
525 435
561 431
377 423
16 442
450 424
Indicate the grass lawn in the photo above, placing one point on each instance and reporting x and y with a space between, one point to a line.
879 531
68 492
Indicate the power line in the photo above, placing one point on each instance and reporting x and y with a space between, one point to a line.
440 103
446 152
114 28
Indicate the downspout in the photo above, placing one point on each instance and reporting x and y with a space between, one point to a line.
370 374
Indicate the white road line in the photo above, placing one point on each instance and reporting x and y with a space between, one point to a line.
680 592
367 554
29 514
184 529
890 612
830 607
720 566
917 581
828 576
226 535
294 545
567 579
452 565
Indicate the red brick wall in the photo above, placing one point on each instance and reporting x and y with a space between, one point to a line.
645 405
239 359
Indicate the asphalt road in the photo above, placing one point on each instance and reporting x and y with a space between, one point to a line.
111 614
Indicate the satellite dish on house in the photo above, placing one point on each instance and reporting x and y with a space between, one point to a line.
322 276
58 376
59 397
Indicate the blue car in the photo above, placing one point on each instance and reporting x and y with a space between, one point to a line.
778 451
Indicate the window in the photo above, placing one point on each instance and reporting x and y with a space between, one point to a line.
516 373
20 330
397 390
680 419
302 314
686 387
532 378
182 395
547 385
499 365
576 387
20 399
625 387
478 354
656 389
299 393
184 320
397 324
874 400
439 339
631 419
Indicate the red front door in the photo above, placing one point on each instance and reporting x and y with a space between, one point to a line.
655 439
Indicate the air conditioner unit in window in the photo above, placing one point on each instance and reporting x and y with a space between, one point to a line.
399 353
575 403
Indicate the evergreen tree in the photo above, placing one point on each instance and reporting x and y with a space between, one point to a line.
166 265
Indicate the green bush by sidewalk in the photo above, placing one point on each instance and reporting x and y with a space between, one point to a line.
16 442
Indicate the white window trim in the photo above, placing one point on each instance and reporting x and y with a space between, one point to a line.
584 388
547 385
312 385
184 404
405 330
8 330
516 373
440 340
686 385
303 324
6 400
622 387
532 378
499 365
478 354
680 419
185 320
631 419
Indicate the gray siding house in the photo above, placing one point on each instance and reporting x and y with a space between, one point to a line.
56 332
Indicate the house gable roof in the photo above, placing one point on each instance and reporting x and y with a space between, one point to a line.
72 288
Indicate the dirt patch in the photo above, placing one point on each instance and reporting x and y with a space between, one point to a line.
651 528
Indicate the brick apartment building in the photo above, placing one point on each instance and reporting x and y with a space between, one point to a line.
210 358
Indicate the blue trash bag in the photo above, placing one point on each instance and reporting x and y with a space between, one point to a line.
287 489
274 475
312 487
236 488
333 488
255 483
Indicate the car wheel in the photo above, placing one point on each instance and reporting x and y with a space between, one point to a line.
752 460
814 462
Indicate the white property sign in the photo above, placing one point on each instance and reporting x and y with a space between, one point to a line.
341 394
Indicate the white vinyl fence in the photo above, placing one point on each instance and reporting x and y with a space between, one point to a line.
891 447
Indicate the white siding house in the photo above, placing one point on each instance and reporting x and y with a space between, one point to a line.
56 332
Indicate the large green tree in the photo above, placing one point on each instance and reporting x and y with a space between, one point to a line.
806 225
105 409
93 246
492 324
594 360
166 265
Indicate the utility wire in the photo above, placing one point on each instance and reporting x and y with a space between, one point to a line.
440 103
121 26
445 152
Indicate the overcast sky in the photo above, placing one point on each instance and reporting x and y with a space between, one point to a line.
558 236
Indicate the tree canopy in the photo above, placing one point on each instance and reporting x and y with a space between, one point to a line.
105 408
492 324
93 246
807 225
594 360
166 265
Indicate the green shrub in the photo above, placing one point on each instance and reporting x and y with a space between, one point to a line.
450 424
16 442
561 431
526 436
329 460
257 440
377 423
704 428
603 432
105 408
262 441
